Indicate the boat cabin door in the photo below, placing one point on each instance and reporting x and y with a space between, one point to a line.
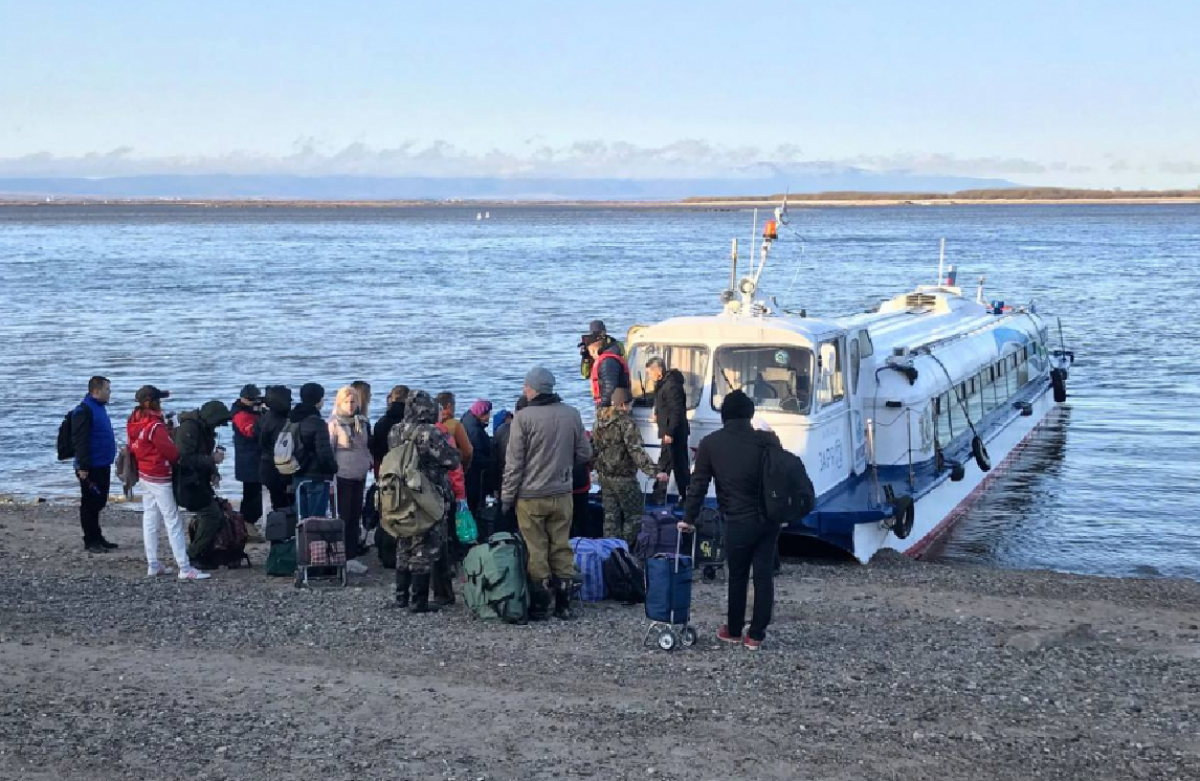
858 352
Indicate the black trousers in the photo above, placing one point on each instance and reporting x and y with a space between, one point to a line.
673 458
251 508
350 505
751 545
277 487
93 496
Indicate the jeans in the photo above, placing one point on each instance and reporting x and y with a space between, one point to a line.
158 505
751 545
312 497
93 496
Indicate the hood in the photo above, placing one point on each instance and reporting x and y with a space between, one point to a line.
279 399
420 408
673 377
545 399
302 411
605 416
215 413
395 410
238 406
141 418
613 348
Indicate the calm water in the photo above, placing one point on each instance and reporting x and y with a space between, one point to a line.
202 300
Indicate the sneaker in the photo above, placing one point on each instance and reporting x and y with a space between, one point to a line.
724 636
191 573
356 567
753 645
158 568
108 545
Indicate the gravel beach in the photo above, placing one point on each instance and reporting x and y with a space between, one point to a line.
898 670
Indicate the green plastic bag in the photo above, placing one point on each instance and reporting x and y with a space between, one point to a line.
464 525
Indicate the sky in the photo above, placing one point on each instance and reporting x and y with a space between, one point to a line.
1057 93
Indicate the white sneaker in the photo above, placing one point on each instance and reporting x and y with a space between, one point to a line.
356 567
191 573
158 568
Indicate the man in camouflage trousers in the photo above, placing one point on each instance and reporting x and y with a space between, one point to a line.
415 556
620 453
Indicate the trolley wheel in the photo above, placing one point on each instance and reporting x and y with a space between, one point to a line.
299 578
666 640
688 637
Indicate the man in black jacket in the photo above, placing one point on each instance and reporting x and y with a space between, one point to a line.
733 456
317 463
195 476
247 411
393 417
670 411
278 405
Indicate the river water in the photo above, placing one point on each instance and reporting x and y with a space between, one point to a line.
203 300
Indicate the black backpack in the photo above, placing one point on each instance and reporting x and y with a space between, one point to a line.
66 441
623 578
787 493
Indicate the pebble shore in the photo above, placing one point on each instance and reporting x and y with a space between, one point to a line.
897 670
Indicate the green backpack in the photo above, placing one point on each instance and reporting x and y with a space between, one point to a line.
497 585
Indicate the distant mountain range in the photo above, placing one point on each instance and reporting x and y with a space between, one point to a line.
220 186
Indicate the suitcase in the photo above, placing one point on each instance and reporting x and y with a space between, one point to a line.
320 543
669 598
280 525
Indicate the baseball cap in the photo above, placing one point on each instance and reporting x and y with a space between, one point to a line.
150 393
251 392
597 327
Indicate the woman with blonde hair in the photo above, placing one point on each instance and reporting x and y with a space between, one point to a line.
349 436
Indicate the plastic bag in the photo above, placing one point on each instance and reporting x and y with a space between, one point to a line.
464 525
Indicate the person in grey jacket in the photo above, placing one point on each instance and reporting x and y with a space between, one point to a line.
545 443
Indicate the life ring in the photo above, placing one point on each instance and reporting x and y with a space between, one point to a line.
1058 380
981 454
905 514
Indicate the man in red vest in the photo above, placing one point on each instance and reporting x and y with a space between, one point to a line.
609 370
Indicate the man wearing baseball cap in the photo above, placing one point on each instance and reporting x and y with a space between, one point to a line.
596 332
247 452
150 442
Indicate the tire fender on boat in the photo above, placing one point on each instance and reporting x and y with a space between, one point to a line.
904 514
1058 380
981 454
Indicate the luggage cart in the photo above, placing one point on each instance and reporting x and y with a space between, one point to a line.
669 598
320 543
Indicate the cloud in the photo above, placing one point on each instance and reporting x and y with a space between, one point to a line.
1183 167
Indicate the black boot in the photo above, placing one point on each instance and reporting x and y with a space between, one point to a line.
403 579
420 595
562 599
539 601
443 583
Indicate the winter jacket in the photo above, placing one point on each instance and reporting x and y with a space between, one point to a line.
585 363
316 456
196 438
151 444
500 452
547 440
458 440
609 373
351 445
620 451
480 468
670 406
733 457
279 404
92 434
247 453
379 435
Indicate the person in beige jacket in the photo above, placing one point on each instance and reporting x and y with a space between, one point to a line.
545 443
350 438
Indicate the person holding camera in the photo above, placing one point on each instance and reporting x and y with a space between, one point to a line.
196 474
247 452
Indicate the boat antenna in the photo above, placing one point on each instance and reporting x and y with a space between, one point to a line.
753 231
733 270
979 295
941 263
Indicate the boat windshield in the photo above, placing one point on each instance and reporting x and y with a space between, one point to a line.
690 360
777 377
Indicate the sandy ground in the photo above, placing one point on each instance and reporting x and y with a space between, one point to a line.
894 671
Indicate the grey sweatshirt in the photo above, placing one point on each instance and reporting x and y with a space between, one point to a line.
545 442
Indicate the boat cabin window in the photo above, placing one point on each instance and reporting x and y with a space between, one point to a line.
777 377
830 385
690 360
855 358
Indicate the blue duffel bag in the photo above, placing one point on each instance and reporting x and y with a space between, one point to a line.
589 562
666 587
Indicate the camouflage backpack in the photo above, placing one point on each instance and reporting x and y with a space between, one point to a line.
409 503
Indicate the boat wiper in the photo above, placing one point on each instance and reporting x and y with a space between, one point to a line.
728 382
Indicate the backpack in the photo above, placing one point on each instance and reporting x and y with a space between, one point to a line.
288 449
658 534
496 583
281 559
623 578
409 502
787 493
229 547
66 442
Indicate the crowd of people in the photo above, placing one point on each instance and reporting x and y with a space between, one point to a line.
533 471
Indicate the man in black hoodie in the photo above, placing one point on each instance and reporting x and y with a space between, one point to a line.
195 475
279 404
733 456
393 417
670 411
317 463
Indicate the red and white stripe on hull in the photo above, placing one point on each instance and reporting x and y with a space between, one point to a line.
937 511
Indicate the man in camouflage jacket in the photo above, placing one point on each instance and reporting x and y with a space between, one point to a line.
620 453
415 556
